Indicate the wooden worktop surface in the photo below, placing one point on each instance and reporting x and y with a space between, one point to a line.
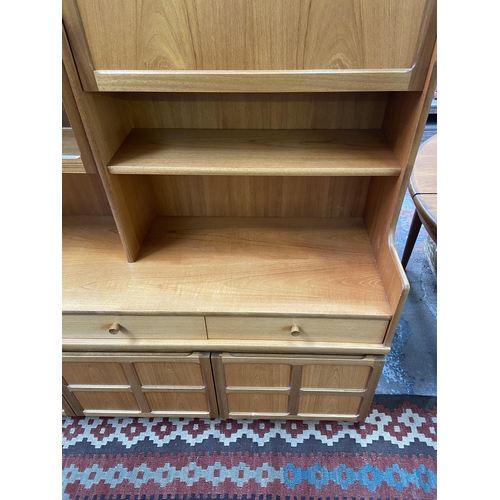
224 266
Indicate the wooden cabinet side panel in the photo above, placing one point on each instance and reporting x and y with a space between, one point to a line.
70 109
107 121
67 411
83 58
403 127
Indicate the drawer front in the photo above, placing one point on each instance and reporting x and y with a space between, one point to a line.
118 327
297 329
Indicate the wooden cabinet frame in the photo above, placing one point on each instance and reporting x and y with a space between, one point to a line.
254 191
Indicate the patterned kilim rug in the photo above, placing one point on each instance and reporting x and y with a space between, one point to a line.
392 455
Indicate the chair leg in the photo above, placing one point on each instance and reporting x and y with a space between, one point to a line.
415 226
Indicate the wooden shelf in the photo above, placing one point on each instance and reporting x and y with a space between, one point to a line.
71 157
224 265
255 152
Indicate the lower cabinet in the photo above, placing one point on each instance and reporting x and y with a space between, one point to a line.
294 386
226 385
121 384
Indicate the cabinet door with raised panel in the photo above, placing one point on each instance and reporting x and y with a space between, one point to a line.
295 387
168 45
117 384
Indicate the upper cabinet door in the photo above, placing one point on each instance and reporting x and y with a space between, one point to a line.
250 45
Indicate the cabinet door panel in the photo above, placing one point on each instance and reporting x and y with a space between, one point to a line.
169 374
256 404
308 387
143 384
328 405
237 35
335 376
94 374
104 401
177 402
258 375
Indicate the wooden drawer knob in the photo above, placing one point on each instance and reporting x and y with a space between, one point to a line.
114 328
295 330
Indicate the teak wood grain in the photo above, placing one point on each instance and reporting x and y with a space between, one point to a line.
258 196
255 152
106 123
247 111
259 329
92 374
225 266
251 375
335 376
280 386
139 384
92 327
405 118
254 155
254 81
83 194
251 34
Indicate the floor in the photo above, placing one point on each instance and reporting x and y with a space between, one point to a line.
411 367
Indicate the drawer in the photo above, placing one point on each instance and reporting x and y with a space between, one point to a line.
120 327
297 329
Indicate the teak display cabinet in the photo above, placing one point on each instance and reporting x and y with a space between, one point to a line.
229 216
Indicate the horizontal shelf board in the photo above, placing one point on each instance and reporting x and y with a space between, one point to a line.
224 265
71 158
255 152
319 80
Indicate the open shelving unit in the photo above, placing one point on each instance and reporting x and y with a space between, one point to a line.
253 195
255 152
